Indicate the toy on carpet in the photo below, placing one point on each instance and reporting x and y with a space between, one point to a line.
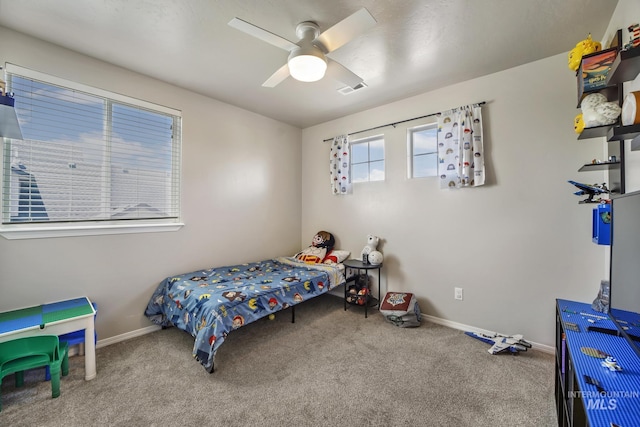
510 343
583 47
372 244
597 111
321 244
401 309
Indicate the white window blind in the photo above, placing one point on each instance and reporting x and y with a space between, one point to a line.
88 155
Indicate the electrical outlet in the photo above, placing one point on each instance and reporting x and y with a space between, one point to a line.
458 293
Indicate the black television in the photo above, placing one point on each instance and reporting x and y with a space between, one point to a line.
624 275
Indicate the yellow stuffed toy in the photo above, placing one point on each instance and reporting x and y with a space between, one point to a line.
583 47
578 124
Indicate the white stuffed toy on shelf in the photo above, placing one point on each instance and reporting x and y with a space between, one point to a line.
597 111
372 244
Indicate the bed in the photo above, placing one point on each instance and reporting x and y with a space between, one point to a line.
209 304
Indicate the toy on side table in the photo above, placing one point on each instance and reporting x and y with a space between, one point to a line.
359 292
375 258
372 244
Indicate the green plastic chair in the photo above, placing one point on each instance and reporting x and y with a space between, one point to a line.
21 354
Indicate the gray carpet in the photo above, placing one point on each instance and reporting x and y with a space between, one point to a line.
330 368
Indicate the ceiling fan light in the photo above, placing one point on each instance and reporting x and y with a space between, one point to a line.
307 65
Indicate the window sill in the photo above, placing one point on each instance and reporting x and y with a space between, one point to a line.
43 231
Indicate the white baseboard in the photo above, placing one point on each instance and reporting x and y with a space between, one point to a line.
127 336
455 325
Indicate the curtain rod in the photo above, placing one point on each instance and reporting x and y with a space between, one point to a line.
397 123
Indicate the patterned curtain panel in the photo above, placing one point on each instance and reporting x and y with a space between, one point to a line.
339 164
460 147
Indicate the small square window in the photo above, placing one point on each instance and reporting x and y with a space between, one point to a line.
422 151
367 159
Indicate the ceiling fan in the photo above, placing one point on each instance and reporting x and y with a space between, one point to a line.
307 60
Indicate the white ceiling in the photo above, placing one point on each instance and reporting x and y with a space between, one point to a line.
416 45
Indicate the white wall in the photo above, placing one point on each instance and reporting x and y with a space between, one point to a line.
240 201
530 241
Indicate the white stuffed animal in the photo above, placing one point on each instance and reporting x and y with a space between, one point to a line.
372 244
596 111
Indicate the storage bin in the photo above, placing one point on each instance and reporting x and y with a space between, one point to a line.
601 233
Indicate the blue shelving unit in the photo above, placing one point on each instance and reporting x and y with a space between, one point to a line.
580 403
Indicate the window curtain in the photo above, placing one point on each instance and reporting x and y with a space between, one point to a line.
460 147
339 165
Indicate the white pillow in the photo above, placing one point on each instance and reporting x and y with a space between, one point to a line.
336 256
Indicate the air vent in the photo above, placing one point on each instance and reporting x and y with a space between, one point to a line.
348 89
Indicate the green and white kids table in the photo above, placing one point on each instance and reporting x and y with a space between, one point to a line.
54 319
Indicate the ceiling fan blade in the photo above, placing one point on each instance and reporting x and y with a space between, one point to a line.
339 72
277 77
261 34
347 29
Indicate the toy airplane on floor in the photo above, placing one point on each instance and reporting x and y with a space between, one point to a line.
512 343
589 190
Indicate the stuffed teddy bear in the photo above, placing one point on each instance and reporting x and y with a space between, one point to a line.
596 111
372 244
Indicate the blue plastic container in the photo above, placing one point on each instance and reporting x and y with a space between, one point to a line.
601 232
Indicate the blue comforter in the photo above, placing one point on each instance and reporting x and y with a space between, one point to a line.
211 303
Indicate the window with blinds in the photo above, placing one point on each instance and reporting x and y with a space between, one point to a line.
88 155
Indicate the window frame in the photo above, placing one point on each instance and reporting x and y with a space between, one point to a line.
30 230
411 131
367 140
